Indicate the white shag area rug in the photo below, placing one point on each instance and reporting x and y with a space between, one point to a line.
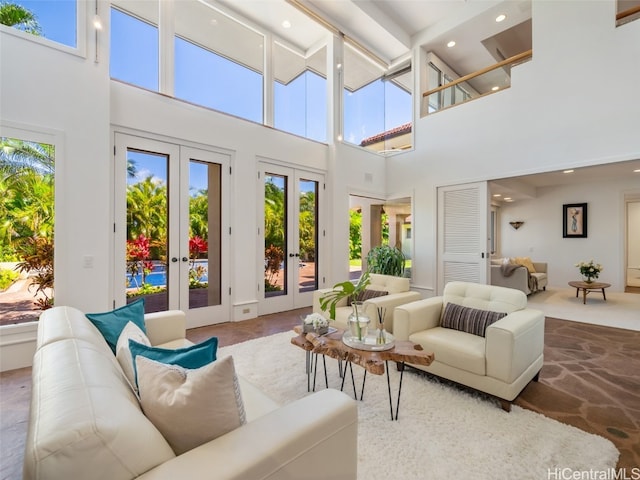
442 432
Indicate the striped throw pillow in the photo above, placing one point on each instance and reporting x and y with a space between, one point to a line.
470 320
367 294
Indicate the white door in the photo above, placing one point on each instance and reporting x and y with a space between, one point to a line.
288 241
171 228
463 218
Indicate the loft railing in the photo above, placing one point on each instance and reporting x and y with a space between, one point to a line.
628 15
461 90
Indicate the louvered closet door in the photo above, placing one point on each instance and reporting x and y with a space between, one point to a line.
463 218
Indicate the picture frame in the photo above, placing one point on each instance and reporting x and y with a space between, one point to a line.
574 220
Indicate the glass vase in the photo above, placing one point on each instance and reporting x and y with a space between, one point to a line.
588 279
358 322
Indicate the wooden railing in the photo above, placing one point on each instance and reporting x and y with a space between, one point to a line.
628 12
509 61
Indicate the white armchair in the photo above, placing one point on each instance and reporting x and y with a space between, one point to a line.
398 294
502 362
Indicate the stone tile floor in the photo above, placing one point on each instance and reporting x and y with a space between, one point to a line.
590 379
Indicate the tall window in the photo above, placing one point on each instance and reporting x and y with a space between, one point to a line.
377 109
26 229
134 44
212 71
55 20
300 92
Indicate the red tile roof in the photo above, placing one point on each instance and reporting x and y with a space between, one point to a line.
389 134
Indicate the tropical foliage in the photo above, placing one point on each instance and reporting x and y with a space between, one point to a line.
20 18
26 211
386 260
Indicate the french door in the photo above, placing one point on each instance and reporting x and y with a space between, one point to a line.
171 228
288 241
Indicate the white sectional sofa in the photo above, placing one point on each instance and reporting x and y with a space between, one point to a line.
86 422
502 362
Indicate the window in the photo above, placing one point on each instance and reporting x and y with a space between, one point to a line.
54 20
377 109
134 44
300 92
26 232
218 61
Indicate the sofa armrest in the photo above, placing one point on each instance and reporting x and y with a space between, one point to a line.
514 343
315 437
389 303
540 267
519 279
163 327
416 316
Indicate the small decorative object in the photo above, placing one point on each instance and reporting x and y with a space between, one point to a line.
517 224
574 218
314 322
381 334
589 270
358 322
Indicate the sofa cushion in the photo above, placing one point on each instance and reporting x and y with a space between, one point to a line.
470 320
388 283
123 353
454 348
190 406
193 356
484 297
111 323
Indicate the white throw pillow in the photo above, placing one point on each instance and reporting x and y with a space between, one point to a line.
123 353
190 406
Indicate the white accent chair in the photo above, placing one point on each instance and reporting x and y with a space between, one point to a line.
398 294
502 362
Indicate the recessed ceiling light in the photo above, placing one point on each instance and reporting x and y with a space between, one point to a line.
451 44
637 170
286 24
497 195
496 88
507 199
500 17
567 171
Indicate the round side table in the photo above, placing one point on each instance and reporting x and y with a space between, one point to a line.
589 287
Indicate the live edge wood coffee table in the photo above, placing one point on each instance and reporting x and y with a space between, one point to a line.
376 361
587 287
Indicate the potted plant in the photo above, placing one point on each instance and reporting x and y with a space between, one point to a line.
386 260
358 321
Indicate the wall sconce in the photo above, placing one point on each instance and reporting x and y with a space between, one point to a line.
516 225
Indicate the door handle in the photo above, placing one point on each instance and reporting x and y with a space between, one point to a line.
291 255
174 259
185 259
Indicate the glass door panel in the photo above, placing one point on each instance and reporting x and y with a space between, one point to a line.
308 235
147 221
275 235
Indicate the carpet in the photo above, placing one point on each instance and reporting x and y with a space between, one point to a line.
442 432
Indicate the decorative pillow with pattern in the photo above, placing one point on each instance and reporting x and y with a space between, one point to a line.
470 320
367 294
190 407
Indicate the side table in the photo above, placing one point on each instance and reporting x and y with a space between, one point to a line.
588 287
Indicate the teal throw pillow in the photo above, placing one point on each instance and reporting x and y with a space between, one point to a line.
191 357
112 323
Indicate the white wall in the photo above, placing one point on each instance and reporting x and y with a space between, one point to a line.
560 112
541 235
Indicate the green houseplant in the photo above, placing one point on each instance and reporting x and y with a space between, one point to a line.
357 320
386 260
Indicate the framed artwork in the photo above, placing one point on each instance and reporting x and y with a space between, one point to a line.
574 220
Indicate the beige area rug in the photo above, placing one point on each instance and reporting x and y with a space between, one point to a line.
620 310
442 432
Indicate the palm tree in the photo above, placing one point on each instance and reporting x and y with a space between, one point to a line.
16 16
17 155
